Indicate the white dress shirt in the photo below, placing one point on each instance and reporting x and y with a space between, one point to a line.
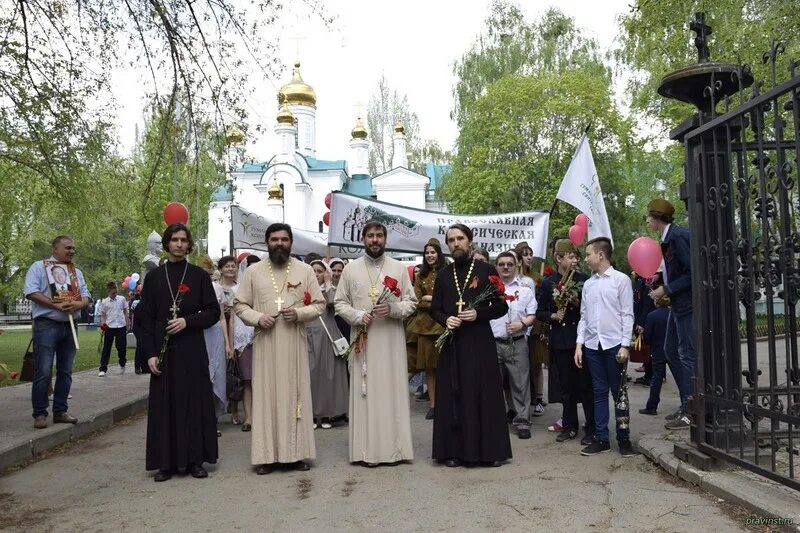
518 309
113 311
606 311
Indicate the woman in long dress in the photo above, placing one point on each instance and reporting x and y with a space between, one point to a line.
423 326
329 384
227 282
242 337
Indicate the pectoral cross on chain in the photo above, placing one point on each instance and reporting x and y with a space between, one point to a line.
373 293
279 301
174 310
460 304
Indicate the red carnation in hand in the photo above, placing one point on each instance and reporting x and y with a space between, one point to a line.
104 327
499 286
306 298
183 288
14 375
548 271
390 283
396 291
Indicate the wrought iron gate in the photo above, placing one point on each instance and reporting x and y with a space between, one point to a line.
742 194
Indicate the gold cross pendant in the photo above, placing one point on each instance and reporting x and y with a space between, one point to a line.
460 304
174 310
279 302
373 293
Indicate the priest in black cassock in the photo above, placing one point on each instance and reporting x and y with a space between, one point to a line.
469 424
178 300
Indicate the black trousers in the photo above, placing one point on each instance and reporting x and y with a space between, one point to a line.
576 386
117 336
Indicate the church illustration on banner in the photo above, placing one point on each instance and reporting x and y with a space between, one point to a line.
291 185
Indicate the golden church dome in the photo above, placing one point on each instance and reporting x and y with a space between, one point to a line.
359 132
234 135
284 115
297 92
275 190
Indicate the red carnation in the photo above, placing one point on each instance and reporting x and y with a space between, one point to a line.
396 291
14 375
183 288
499 286
510 297
104 327
548 271
306 298
390 283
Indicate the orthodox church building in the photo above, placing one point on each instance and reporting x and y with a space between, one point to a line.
291 185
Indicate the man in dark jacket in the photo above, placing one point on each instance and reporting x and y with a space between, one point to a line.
576 385
679 347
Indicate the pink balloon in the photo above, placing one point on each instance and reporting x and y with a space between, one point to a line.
576 235
127 280
644 256
583 221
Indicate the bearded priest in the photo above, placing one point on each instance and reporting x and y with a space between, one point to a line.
374 295
469 425
277 297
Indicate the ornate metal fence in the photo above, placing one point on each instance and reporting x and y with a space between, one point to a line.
742 153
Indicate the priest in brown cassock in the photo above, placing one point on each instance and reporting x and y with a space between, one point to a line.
380 421
469 424
178 303
278 297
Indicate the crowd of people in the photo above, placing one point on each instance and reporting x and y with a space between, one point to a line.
320 342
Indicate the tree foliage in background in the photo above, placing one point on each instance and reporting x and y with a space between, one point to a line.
386 108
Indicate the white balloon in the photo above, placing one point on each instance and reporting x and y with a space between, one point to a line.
135 276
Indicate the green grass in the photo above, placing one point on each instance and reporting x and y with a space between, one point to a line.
14 343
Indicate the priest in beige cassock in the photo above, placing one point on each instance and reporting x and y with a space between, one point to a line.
277 297
380 423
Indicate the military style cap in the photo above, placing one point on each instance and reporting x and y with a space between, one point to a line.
434 242
662 206
565 246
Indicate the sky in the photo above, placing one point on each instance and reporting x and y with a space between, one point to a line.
414 43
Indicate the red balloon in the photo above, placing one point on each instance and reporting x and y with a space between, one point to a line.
326 218
328 200
176 212
583 221
576 235
242 257
644 256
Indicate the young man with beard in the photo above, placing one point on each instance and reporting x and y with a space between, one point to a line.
278 297
380 422
470 423
178 303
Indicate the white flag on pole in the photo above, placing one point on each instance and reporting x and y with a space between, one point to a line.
581 189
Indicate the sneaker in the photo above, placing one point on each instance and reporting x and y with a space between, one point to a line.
682 422
673 416
325 424
626 449
587 439
555 427
598 446
524 433
538 409
121 370
642 381
646 411
101 374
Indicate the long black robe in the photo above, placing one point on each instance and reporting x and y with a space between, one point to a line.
470 417
181 423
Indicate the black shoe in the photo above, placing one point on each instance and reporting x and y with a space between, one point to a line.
674 415
246 427
301 466
524 433
511 415
429 415
646 411
626 449
682 422
587 439
492 464
642 381
452 462
264 469
598 446
424 397
198 471
566 434
162 475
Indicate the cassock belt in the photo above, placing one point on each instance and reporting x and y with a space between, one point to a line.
506 339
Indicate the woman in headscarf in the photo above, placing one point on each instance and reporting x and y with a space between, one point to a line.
329 384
